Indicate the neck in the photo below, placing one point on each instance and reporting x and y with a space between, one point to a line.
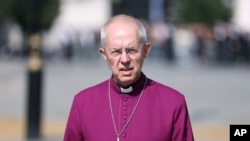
127 88
129 84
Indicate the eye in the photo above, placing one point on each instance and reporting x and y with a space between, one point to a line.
116 52
131 51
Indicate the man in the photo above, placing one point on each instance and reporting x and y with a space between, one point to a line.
128 106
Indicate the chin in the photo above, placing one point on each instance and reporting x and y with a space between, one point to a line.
127 80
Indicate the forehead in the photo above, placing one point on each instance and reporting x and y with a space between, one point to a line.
122 33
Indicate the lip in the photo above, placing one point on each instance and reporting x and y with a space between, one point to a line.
126 69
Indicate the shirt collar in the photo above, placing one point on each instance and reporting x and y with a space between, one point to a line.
137 86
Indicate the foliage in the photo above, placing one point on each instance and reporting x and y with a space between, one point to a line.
5 9
201 11
32 15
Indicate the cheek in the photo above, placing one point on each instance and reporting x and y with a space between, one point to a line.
138 60
112 64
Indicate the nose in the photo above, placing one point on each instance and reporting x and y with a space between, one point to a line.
125 57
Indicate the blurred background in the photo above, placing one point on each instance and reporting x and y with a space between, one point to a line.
49 52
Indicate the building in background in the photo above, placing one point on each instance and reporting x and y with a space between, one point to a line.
75 18
83 13
241 14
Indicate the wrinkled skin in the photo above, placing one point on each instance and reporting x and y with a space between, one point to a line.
124 52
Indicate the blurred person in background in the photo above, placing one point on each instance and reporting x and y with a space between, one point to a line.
129 105
87 43
67 38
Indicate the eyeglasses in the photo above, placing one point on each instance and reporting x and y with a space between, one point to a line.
132 51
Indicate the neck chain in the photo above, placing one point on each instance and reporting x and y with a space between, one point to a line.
118 134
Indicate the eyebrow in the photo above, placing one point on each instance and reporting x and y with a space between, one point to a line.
131 47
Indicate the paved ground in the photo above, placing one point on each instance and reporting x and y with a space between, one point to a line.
216 96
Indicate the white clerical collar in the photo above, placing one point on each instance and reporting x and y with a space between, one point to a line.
126 90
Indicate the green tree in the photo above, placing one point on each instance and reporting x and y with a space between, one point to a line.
201 11
31 15
35 15
5 10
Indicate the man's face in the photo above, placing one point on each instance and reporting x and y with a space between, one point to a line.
124 53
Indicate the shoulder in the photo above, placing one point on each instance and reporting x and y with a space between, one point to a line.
165 95
92 90
164 90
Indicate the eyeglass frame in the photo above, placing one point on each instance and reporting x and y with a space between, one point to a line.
129 51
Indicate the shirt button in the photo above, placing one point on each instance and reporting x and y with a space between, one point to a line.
124 135
124 117
124 125
125 108
125 99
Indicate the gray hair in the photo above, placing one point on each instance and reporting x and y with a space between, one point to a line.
141 29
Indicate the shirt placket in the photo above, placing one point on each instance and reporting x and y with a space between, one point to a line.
125 113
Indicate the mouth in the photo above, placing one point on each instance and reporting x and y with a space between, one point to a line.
126 71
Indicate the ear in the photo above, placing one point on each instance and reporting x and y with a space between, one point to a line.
103 53
147 48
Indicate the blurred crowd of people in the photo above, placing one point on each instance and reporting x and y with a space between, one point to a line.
222 44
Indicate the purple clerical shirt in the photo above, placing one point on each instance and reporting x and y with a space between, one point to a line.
161 114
